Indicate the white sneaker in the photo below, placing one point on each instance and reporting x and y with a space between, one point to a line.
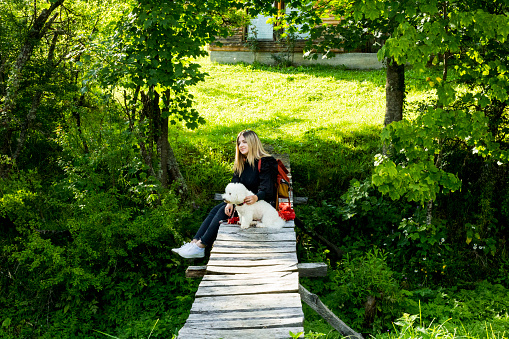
193 251
181 248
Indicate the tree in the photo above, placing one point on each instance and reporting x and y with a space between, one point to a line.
471 38
360 23
150 58
37 76
17 117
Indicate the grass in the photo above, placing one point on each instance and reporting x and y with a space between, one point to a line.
328 119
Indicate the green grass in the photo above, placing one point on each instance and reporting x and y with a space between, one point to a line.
328 119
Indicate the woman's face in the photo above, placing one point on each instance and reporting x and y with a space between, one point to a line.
242 144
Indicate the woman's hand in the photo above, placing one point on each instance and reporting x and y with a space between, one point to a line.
251 199
228 210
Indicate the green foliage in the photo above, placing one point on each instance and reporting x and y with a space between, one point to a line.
310 334
368 278
413 170
105 265
479 312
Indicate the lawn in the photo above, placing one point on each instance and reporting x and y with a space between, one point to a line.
328 119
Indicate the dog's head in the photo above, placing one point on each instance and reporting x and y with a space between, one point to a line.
235 193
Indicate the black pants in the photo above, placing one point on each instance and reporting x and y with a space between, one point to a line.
207 232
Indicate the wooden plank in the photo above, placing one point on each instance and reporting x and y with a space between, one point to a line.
305 270
266 333
251 314
257 280
233 228
254 250
315 269
267 237
271 275
253 256
251 263
267 287
247 302
245 323
250 270
253 244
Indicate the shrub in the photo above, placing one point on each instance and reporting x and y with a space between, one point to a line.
369 295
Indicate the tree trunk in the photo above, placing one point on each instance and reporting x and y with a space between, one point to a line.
394 92
36 33
169 170
38 30
36 100
164 152
77 116
175 173
169 165
394 95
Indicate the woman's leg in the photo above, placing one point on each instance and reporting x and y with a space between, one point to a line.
207 232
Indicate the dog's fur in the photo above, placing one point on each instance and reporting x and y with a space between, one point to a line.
235 193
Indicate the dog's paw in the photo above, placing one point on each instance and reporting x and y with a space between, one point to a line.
244 226
254 223
260 225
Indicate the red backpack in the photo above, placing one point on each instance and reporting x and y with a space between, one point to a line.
283 189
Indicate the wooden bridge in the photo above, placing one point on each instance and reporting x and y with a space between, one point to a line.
250 289
250 286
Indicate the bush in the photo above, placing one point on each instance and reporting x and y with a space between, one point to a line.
104 265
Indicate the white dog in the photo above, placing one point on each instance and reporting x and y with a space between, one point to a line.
235 193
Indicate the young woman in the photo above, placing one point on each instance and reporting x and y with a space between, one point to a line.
249 151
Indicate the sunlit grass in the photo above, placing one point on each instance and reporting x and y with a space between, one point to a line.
328 119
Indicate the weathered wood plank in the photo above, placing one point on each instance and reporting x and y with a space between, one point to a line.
251 280
250 270
251 314
271 287
267 237
247 302
304 269
253 244
221 324
266 333
272 275
253 256
233 228
316 304
251 263
253 250
315 269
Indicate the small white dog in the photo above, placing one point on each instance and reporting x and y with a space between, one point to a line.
235 193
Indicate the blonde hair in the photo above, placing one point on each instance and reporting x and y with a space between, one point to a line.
256 151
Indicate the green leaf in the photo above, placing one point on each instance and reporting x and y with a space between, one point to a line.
6 322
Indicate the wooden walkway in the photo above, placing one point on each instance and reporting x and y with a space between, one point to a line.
251 286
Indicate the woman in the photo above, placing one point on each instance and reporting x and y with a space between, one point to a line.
249 151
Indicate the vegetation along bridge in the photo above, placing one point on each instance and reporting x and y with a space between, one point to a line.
250 286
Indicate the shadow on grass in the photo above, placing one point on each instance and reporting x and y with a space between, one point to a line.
323 161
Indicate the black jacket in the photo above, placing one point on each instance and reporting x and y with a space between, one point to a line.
261 183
